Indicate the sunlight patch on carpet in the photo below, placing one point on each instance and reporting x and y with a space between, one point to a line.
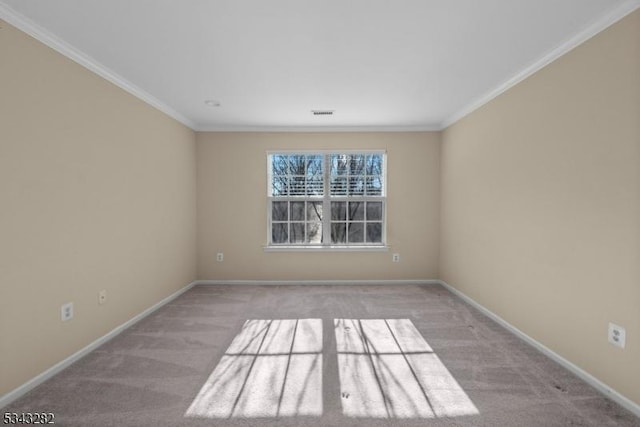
273 368
387 370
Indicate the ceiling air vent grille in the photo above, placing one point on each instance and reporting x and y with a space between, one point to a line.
322 112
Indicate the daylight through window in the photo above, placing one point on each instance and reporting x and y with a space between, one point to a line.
327 199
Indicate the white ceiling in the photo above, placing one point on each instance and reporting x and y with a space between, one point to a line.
379 64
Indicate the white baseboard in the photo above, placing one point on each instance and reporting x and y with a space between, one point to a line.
318 282
39 379
579 372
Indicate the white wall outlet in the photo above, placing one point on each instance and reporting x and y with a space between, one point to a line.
220 257
102 296
66 311
617 335
395 257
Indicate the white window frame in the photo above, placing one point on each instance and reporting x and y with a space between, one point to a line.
326 200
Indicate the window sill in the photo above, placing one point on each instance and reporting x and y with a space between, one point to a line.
303 248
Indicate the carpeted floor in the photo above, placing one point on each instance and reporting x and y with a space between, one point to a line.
319 356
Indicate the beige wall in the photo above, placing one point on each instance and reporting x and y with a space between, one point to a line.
232 216
97 191
541 205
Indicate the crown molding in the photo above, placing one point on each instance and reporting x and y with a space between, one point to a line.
616 14
31 28
425 128
49 39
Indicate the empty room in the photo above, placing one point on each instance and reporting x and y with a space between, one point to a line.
297 213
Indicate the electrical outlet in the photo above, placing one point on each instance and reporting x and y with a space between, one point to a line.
102 296
617 335
396 257
220 257
66 311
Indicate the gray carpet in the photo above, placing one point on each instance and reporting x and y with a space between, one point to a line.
321 356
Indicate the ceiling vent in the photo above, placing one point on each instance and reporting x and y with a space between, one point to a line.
322 112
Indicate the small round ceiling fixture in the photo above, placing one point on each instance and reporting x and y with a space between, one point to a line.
212 103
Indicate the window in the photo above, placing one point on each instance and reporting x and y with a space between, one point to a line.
326 199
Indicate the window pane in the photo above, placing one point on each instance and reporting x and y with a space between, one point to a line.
374 211
356 164
297 211
356 185
338 233
338 211
314 232
314 166
339 164
279 164
297 185
279 185
314 211
374 164
297 232
297 165
279 177
339 186
356 232
279 233
356 211
374 232
279 211
374 186
315 186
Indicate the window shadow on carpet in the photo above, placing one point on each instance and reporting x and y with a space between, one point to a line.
273 368
387 370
